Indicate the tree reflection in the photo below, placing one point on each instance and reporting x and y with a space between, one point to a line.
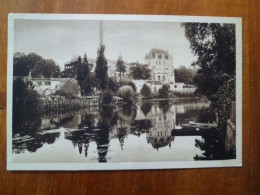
102 140
23 143
213 147
164 105
146 108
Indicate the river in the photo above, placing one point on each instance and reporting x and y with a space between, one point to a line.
139 133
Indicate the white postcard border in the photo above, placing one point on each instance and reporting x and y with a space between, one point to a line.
126 165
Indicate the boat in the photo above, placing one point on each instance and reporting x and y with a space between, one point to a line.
193 125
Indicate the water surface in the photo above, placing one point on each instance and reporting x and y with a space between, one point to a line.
139 133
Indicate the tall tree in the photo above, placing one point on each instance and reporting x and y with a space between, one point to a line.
214 46
101 63
89 84
83 73
120 66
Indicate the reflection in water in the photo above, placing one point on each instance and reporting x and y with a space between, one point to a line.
103 126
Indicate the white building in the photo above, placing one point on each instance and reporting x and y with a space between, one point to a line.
161 64
182 88
48 86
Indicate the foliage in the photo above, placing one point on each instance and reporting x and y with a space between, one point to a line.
214 46
38 66
225 96
140 71
130 83
24 97
163 92
127 93
85 78
212 146
107 97
185 75
146 108
24 63
112 84
89 84
120 65
45 68
26 107
101 64
146 91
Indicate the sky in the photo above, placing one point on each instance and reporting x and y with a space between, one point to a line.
61 40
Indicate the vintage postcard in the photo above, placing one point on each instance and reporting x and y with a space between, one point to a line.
115 92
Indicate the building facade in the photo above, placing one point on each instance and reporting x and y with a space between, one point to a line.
48 86
160 62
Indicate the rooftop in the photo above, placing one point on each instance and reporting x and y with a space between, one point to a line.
154 51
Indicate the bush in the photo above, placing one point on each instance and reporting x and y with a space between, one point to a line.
130 83
127 93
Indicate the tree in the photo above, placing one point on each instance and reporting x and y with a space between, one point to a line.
25 99
120 66
112 84
24 63
89 84
45 68
146 91
214 46
83 75
101 63
140 71
21 67
164 91
185 75
107 97
33 58
38 66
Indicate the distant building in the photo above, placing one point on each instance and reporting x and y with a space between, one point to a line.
161 64
48 86
182 88
70 68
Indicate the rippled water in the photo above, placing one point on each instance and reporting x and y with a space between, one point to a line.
139 133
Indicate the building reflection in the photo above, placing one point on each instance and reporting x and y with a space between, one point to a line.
163 117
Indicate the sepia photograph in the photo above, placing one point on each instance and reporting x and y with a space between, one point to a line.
118 92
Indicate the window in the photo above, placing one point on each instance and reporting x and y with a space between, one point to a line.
159 78
163 78
40 83
175 86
